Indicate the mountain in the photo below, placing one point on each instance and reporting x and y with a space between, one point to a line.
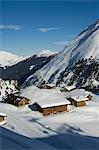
83 48
46 53
22 70
9 59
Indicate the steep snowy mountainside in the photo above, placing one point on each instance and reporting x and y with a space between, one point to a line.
84 46
9 59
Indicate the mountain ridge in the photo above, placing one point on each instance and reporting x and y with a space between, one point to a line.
9 59
84 46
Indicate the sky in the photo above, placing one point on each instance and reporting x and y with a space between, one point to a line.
27 27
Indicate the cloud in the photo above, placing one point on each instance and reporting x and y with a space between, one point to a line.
47 29
10 27
61 43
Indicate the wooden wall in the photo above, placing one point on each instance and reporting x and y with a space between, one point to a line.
77 104
1 118
80 104
53 110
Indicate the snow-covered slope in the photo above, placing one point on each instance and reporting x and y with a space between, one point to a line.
85 45
22 70
9 59
46 53
77 129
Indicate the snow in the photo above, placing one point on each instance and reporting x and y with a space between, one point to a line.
31 67
50 102
3 114
70 87
96 83
84 46
9 59
80 98
51 85
7 88
27 129
46 53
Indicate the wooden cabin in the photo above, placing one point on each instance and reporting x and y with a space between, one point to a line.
78 101
17 100
3 117
49 86
68 88
22 101
52 107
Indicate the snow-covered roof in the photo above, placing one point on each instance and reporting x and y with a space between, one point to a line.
70 87
53 102
3 122
3 114
79 98
51 85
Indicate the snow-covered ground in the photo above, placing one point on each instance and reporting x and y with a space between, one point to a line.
77 129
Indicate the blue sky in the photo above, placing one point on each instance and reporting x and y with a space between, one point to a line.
27 27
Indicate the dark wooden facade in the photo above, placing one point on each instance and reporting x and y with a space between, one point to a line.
17 100
77 104
22 102
2 118
53 110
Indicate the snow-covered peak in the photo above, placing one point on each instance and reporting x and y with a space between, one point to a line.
85 45
46 53
9 59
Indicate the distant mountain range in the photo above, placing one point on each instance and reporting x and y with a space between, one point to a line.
9 59
20 68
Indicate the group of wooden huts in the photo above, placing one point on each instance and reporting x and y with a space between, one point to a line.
49 105
59 105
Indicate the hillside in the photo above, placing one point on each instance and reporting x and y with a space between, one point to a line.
22 70
85 46
73 130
